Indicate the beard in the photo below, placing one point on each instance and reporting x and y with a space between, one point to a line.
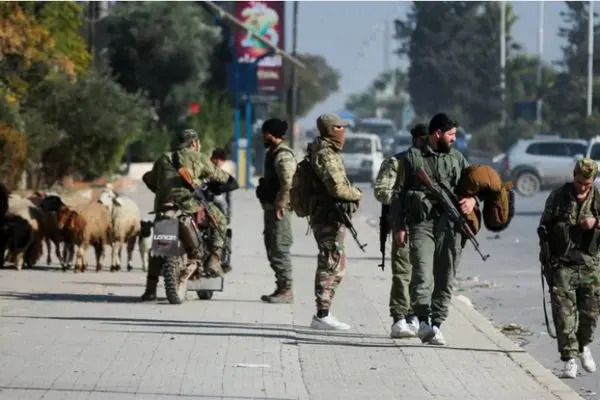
444 147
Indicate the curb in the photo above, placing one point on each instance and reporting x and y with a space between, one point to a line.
519 356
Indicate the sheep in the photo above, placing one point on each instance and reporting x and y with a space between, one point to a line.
52 234
23 231
126 222
145 240
82 225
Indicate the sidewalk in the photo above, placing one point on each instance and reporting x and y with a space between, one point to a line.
84 336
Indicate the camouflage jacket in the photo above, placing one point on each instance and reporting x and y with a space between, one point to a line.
417 204
328 166
569 243
387 183
279 171
164 181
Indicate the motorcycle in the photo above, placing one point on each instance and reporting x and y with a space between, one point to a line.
168 255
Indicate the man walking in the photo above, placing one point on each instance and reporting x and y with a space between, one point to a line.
569 231
435 244
273 192
386 187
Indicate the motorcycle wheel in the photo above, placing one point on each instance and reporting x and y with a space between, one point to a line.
175 288
204 294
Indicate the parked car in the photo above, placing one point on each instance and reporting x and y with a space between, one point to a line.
362 156
536 164
382 127
402 142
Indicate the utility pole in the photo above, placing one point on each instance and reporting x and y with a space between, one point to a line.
539 69
293 92
590 82
503 60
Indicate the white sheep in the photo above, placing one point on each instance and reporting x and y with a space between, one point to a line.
126 221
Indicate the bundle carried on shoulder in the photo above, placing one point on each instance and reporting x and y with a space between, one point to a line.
497 196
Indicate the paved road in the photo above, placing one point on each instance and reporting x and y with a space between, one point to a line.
514 274
85 336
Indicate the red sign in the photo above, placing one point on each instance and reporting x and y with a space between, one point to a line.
194 108
266 19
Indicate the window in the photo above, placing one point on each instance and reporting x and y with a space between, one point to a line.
595 152
357 146
577 148
552 149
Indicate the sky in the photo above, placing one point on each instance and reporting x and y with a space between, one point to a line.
349 34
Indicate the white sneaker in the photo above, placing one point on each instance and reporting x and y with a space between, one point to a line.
438 338
587 361
413 324
328 323
570 369
426 333
401 330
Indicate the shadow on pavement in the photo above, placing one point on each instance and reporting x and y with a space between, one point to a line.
314 256
87 392
116 284
76 297
294 334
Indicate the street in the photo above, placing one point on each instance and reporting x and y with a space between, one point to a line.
507 288
86 336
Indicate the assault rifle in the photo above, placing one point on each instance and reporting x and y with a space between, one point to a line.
546 273
384 230
347 222
449 201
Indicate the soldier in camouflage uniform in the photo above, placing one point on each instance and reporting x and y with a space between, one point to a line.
164 181
326 160
570 219
273 193
385 188
435 245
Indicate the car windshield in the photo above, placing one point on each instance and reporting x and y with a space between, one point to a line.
378 129
403 140
357 146
595 152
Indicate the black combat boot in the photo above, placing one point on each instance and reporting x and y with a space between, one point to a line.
150 293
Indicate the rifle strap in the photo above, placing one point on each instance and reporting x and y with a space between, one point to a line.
546 319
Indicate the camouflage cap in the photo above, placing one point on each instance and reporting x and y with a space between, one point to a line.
330 120
586 168
186 137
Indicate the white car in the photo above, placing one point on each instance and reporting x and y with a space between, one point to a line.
362 156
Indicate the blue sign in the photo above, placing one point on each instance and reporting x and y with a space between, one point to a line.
242 78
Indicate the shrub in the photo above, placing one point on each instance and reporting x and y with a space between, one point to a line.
13 155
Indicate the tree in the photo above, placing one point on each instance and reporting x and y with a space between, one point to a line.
454 58
164 50
387 92
316 83
99 119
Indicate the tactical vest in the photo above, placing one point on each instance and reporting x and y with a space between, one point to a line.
270 183
443 169
567 239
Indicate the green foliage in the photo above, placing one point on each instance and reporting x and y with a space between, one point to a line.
98 117
163 49
324 81
13 155
454 57
214 123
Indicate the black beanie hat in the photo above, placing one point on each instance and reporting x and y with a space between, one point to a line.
275 127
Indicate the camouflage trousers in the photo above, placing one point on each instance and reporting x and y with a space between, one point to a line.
575 296
331 262
278 241
402 288
217 234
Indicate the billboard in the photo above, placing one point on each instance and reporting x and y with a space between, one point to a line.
266 19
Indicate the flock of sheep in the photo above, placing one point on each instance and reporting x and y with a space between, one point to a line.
72 223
